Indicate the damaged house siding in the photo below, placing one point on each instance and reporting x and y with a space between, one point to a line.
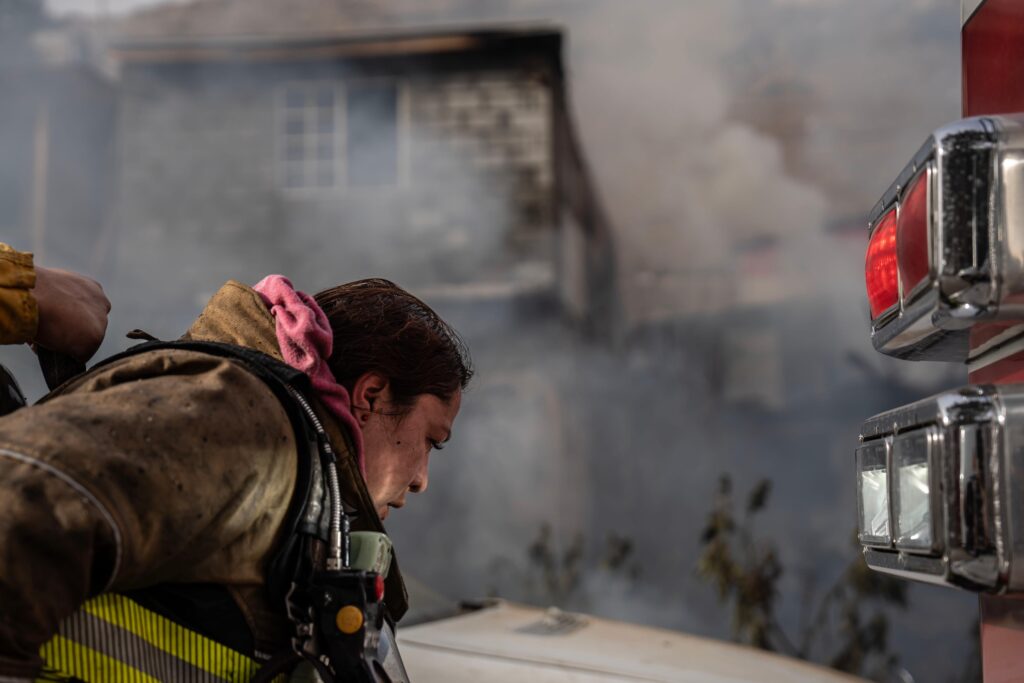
449 169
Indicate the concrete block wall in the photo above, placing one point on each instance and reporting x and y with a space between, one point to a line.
492 129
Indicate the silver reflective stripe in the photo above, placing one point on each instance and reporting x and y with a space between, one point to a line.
967 8
117 643
50 469
113 638
12 679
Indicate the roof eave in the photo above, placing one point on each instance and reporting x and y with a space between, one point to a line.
350 45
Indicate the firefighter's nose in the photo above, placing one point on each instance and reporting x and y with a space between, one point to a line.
419 482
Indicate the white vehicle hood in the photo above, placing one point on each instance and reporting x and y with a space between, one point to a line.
509 642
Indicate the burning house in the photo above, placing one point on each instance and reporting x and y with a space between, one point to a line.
316 136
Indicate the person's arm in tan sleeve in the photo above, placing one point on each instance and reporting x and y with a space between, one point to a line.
172 466
19 314
57 309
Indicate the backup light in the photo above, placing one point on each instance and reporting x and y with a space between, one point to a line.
940 489
873 493
913 511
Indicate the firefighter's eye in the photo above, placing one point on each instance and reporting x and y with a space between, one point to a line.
437 445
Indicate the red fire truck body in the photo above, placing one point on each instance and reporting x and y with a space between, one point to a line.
993 83
941 481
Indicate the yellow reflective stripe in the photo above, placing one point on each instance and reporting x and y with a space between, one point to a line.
87 664
174 639
112 631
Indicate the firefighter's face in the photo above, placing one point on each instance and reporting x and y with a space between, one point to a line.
396 442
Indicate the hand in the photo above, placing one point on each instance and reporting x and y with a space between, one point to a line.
72 312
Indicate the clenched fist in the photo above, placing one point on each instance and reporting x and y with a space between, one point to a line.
72 312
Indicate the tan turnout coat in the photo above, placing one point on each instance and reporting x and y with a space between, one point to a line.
19 314
170 466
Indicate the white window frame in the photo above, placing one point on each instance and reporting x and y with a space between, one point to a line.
340 88
282 164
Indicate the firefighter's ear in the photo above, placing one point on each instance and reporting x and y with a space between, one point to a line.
369 391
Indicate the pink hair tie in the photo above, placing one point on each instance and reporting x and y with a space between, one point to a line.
305 337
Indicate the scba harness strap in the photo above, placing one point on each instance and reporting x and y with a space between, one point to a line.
118 637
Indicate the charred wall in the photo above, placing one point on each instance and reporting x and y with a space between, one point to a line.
241 168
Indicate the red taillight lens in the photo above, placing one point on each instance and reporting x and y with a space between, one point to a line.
912 235
880 266
378 587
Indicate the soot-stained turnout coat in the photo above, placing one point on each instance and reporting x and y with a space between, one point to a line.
19 314
171 466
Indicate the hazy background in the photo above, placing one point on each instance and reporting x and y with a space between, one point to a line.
713 129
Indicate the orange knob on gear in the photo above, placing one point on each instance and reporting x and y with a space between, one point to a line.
349 619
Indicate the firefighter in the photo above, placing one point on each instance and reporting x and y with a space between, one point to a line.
150 495
59 310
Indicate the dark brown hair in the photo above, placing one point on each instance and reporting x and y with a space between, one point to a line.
379 327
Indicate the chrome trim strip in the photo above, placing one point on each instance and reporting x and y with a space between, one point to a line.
932 570
967 10
1008 479
1003 337
1007 347
1008 209
892 193
84 492
967 404
914 336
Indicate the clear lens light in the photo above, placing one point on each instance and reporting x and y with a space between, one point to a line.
874 502
914 515
913 507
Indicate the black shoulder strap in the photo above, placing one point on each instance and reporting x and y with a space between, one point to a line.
258 362
11 396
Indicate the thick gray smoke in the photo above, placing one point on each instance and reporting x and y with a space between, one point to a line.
732 142
711 125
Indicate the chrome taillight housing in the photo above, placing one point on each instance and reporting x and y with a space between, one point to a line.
946 241
940 489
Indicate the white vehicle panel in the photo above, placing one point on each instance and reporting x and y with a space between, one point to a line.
507 642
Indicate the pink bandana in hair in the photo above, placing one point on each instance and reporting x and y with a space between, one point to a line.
304 335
